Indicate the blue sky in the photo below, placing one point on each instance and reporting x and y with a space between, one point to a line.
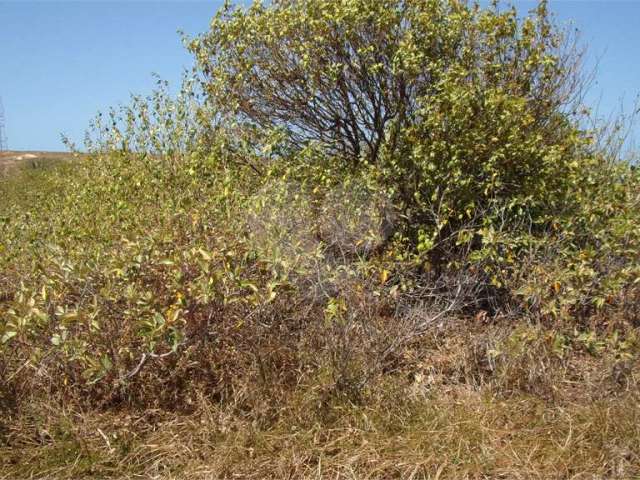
63 61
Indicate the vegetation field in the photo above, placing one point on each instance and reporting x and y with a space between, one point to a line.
415 256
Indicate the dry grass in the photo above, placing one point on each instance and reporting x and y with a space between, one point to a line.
453 435
448 413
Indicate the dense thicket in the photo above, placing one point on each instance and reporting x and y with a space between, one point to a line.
337 181
464 123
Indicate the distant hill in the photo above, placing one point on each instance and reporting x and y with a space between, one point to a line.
13 159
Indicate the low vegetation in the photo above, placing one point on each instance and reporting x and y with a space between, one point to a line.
365 240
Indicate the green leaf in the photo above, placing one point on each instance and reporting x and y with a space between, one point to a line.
8 336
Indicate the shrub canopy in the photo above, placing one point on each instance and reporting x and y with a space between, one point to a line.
451 107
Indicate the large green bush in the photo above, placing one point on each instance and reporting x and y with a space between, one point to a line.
463 122
451 107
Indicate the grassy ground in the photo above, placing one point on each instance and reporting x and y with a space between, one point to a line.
453 435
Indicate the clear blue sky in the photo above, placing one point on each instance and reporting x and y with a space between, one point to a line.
63 61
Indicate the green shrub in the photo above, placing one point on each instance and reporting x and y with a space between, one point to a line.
452 108
464 120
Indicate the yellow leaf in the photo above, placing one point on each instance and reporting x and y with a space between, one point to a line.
384 275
